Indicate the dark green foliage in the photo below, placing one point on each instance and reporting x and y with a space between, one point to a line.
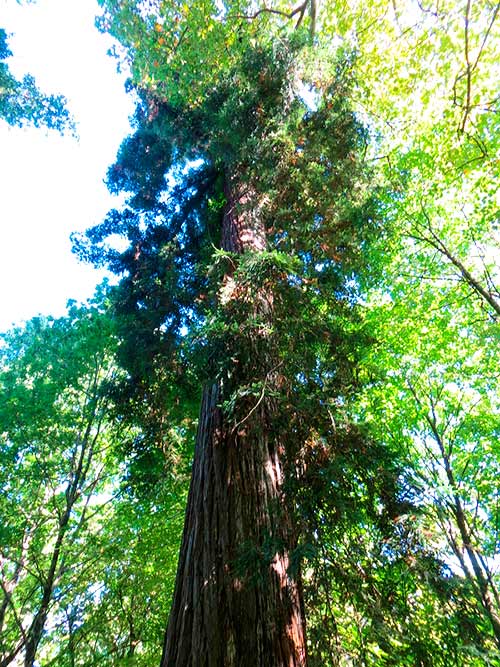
252 123
177 329
5 52
142 162
186 314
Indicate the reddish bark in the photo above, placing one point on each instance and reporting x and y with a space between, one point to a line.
223 614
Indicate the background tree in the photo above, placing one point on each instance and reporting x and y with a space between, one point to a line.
86 522
335 291
56 447
435 309
21 102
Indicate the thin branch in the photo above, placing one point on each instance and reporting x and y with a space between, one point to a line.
471 67
12 655
439 245
313 12
8 597
259 401
486 35
268 10
468 68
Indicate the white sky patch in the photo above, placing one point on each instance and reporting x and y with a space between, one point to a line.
308 95
52 185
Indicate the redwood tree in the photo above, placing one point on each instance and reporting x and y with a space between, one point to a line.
246 215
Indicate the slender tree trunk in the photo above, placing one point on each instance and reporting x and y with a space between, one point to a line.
235 604
486 592
82 457
35 632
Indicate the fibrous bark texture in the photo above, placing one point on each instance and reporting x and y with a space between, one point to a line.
235 604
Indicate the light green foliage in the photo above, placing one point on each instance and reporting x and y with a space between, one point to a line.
116 614
427 77
55 453
79 554
399 515
428 85
425 82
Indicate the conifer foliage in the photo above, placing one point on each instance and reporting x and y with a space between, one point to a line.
236 278
297 361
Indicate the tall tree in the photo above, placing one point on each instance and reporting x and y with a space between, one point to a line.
264 315
271 317
56 448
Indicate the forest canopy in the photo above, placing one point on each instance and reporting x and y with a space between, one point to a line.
274 441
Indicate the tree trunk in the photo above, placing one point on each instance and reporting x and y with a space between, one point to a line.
235 604
481 580
35 632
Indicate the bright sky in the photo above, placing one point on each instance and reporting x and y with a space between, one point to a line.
52 185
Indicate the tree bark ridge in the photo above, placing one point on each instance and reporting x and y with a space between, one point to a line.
235 604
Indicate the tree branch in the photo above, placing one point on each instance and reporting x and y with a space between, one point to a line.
268 10
434 241
468 68
8 597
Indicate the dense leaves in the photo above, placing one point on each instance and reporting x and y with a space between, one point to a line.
372 152
75 547
422 84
